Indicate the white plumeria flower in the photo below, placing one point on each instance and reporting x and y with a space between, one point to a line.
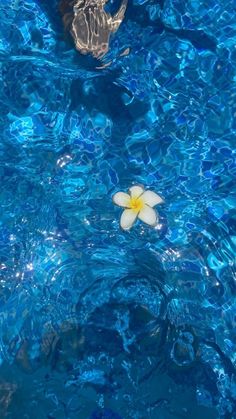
138 203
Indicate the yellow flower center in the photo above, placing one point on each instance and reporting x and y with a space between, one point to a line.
136 204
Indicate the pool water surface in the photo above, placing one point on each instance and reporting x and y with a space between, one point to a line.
97 322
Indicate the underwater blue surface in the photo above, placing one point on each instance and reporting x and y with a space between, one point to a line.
95 322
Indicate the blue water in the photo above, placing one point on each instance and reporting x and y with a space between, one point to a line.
95 322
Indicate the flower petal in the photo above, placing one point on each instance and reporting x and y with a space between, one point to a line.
151 198
128 218
148 215
136 191
121 199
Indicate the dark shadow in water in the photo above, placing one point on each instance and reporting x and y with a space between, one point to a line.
198 38
52 11
106 97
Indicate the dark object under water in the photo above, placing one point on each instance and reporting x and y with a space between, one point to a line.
90 25
105 414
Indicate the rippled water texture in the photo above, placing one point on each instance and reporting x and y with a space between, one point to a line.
97 323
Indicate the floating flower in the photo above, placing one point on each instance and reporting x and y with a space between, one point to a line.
138 203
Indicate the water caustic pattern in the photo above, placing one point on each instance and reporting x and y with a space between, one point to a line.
97 322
